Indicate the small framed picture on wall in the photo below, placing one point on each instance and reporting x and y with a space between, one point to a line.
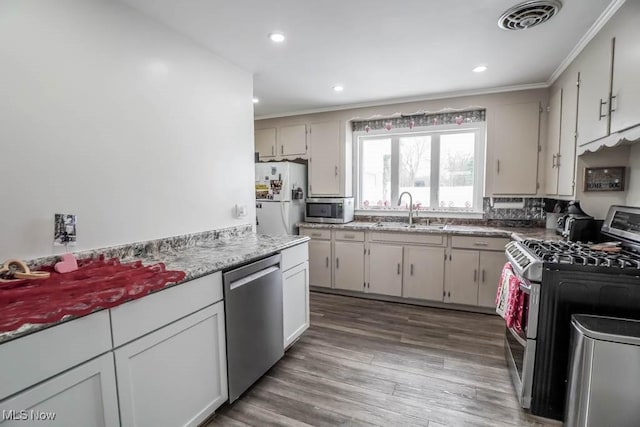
604 179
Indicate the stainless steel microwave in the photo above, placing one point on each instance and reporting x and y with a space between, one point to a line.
329 210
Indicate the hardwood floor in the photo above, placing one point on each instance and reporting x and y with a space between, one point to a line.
365 362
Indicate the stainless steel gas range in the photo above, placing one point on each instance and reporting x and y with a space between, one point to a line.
560 278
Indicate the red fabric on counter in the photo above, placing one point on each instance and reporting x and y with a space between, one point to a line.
98 283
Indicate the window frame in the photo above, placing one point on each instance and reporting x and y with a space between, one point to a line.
478 128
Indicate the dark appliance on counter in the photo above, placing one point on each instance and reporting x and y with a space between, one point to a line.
576 225
329 210
562 278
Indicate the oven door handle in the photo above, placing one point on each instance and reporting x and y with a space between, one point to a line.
521 341
525 287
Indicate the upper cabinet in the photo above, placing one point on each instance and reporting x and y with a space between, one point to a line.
512 149
266 142
330 168
609 86
625 102
285 142
560 158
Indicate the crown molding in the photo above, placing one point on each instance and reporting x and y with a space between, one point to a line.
606 15
379 103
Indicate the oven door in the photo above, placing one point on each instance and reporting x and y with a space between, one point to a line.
520 343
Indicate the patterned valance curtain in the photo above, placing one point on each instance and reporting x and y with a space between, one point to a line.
415 120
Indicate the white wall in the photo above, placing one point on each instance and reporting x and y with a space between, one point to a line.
110 116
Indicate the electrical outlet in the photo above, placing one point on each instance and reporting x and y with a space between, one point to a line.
65 232
241 211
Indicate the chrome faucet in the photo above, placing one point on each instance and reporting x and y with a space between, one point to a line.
410 205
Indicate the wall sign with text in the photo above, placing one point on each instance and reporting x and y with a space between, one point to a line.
604 179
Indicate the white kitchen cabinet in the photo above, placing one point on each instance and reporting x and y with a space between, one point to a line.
177 375
423 276
320 263
595 78
349 265
84 396
512 149
566 159
554 112
561 142
292 140
324 163
330 160
626 85
491 264
265 140
385 269
295 302
295 292
461 278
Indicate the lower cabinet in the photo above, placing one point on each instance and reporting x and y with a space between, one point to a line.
175 376
84 396
423 273
461 280
349 265
385 269
320 263
491 264
295 303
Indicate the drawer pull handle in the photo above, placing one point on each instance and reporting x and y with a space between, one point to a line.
480 244
349 236
316 234
327 262
398 268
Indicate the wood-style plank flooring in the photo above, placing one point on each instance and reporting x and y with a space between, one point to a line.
365 362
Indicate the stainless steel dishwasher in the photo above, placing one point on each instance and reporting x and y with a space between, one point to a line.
253 316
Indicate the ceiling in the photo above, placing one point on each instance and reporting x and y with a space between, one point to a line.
379 50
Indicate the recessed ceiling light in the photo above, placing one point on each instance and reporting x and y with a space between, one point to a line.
338 88
276 37
255 100
480 69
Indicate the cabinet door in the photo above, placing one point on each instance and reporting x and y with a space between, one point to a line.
265 142
566 162
385 270
177 375
593 104
626 85
295 302
292 140
423 273
84 396
514 148
324 170
320 263
349 265
491 264
461 278
554 112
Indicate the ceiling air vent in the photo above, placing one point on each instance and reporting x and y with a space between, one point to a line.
529 14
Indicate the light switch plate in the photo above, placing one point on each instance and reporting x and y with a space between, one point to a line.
241 211
65 232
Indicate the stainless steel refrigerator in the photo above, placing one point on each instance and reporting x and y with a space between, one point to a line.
280 193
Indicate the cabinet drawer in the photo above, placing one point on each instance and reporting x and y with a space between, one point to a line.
356 236
413 238
136 318
293 256
486 243
316 233
28 360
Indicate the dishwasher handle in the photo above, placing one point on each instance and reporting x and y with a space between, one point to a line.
252 277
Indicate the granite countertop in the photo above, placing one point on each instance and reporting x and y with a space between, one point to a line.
465 230
200 259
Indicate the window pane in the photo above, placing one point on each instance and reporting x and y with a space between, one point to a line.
376 172
456 170
415 168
